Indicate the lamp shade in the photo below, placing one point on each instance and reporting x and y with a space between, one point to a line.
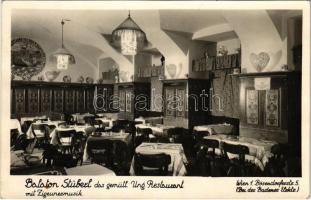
63 58
129 37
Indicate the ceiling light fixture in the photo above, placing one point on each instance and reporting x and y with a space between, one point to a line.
63 56
129 37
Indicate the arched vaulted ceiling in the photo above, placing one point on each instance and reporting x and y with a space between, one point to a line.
84 33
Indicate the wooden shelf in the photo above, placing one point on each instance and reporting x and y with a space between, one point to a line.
275 73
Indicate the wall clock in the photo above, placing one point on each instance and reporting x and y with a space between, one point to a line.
27 58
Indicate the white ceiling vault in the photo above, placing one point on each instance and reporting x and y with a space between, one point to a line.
83 34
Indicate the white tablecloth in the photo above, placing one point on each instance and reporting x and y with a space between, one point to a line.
80 117
90 170
215 128
23 119
86 129
259 150
152 120
176 151
106 120
125 137
29 132
158 129
14 124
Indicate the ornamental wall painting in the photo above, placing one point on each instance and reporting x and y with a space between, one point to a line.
272 108
252 106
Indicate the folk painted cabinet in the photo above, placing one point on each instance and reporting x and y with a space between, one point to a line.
270 106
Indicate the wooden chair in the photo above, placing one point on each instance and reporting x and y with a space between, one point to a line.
65 138
142 135
89 120
41 133
275 166
79 141
26 125
100 151
209 163
152 164
14 136
175 134
236 166
121 157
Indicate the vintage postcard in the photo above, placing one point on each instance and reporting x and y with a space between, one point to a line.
135 99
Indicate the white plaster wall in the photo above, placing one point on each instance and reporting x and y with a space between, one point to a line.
258 34
81 68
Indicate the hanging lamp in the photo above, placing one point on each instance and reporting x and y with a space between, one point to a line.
63 56
129 37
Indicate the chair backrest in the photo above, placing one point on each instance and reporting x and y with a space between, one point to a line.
120 150
240 150
102 129
210 143
68 134
159 161
69 119
14 136
145 132
43 128
176 134
99 145
100 151
26 125
89 120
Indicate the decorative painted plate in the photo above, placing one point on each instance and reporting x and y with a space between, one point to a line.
27 58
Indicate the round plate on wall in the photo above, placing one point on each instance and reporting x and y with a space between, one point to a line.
27 58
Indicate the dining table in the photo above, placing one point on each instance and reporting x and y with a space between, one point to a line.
85 129
55 123
108 121
157 130
178 158
121 136
259 149
15 124
79 117
213 129
89 170
23 119
151 120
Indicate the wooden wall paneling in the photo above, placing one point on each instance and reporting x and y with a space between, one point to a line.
12 102
46 99
69 100
101 100
33 102
58 94
20 100
89 100
80 100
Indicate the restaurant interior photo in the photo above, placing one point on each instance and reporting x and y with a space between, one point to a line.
157 92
